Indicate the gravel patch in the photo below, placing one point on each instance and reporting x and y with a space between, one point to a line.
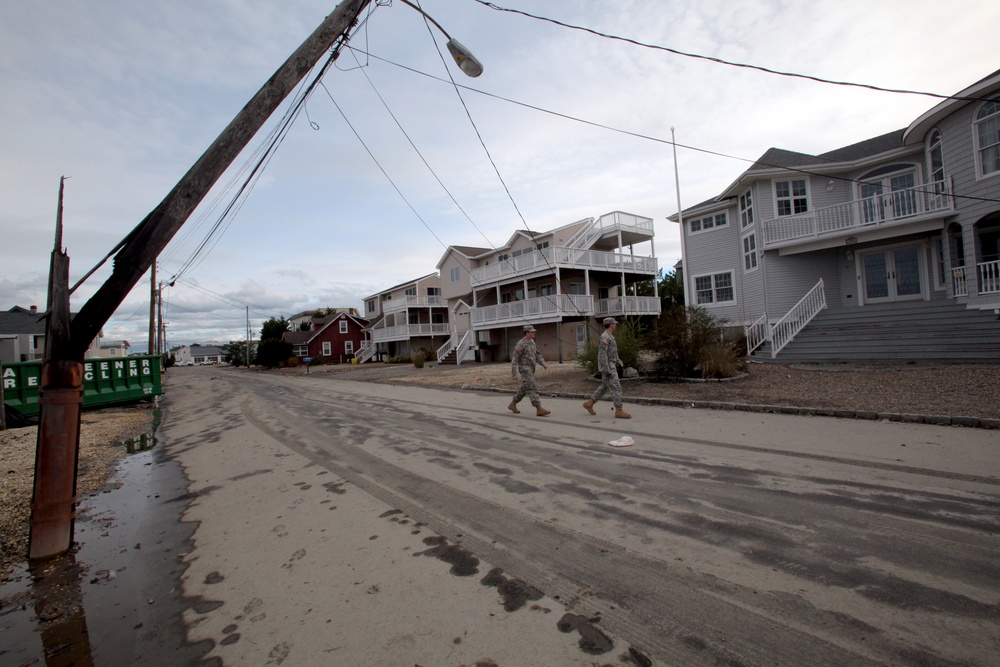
102 434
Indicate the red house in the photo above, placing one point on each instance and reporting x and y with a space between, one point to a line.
334 338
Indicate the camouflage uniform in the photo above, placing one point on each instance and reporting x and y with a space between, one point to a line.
608 363
526 356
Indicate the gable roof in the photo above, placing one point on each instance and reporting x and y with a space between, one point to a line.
467 251
22 321
867 148
403 284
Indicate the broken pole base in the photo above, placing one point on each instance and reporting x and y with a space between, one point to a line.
53 502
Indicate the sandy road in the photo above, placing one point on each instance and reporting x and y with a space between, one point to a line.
725 537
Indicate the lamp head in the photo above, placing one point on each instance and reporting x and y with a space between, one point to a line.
466 61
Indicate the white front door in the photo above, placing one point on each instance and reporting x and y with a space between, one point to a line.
894 274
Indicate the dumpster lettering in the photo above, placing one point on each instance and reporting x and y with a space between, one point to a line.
10 379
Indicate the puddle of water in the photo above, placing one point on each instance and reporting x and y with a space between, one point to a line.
116 598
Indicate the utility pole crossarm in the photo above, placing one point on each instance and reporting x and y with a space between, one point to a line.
150 237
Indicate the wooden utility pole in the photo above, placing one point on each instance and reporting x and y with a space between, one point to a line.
66 342
60 397
152 308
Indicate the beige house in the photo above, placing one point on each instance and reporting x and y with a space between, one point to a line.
563 282
405 319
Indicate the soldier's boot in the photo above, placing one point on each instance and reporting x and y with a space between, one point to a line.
589 405
513 408
541 412
621 414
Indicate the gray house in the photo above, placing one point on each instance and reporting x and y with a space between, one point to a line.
888 249
22 336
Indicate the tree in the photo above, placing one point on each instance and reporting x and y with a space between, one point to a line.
273 328
272 353
672 288
236 353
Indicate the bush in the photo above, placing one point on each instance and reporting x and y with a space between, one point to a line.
719 360
402 359
294 362
418 360
691 344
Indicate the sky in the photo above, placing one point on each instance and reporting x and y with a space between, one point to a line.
389 163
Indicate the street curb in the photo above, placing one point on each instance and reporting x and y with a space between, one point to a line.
935 420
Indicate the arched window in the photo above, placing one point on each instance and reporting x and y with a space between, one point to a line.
988 138
935 157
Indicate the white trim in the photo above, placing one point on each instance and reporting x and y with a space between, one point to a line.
714 303
977 157
791 197
744 253
715 224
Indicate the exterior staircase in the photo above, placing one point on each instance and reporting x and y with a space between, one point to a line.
450 358
927 331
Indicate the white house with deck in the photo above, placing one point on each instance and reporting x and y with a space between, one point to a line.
562 282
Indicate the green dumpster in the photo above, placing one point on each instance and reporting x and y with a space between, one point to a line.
105 381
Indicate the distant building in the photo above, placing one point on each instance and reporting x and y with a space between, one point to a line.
22 336
197 355
306 316
336 338
114 349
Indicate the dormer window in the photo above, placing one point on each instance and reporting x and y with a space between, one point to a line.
987 133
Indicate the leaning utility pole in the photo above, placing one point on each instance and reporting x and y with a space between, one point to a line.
61 395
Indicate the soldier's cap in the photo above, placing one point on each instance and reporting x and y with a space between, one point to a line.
528 328
608 321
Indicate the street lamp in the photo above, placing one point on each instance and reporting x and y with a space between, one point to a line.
463 57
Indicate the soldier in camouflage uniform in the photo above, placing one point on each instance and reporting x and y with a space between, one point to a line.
608 363
522 363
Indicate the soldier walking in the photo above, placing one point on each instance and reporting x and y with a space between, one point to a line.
525 357
608 363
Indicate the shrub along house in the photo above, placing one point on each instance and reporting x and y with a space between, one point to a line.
887 249
334 338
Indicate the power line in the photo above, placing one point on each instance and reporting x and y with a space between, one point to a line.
647 137
722 61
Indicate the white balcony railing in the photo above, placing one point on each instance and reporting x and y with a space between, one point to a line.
959 287
884 209
989 277
407 331
548 259
396 305
628 305
609 222
556 305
